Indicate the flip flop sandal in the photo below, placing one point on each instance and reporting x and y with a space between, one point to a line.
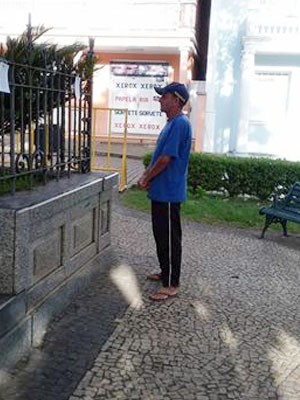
160 296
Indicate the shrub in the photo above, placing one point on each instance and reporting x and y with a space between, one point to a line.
259 177
147 159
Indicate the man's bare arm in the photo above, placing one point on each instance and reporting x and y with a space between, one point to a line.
160 164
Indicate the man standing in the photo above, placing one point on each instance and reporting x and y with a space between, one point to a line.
166 181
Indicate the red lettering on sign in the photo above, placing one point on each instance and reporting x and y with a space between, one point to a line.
127 99
122 125
149 126
153 126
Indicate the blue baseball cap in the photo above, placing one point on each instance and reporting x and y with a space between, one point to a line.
176 88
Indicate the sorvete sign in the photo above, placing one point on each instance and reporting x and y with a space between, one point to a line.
132 87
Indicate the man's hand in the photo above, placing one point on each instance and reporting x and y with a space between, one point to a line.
153 171
143 183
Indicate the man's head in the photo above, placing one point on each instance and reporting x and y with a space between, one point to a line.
177 89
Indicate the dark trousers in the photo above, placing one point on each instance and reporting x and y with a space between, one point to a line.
168 237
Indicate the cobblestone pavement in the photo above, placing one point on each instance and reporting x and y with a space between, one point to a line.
232 333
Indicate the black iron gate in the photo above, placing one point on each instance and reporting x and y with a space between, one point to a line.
45 124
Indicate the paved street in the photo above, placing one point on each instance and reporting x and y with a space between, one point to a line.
232 333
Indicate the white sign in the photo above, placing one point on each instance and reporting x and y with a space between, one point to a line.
132 88
4 86
77 85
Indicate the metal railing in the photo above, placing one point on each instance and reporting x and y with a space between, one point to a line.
109 163
45 125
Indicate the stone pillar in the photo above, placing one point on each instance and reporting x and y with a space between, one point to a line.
188 10
247 78
197 113
187 22
184 64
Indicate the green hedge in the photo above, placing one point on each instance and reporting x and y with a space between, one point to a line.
259 177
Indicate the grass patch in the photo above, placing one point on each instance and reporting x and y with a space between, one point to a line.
22 181
211 210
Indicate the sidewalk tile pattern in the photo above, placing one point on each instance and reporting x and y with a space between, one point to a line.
232 333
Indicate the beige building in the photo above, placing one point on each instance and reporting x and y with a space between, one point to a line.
139 44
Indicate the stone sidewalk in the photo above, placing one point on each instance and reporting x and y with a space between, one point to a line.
232 333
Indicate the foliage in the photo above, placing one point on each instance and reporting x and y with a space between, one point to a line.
147 159
234 176
22 182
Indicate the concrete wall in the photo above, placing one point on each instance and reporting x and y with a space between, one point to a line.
49 241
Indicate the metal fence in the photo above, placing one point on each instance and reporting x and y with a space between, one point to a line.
45 125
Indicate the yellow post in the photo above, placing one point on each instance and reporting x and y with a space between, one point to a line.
46 138
109 139
123 177
93 150
18 142
32 147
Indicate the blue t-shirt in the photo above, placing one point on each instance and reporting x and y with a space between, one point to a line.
174 141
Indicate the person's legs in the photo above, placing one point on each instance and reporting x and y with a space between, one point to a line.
160 228
167 234
176 245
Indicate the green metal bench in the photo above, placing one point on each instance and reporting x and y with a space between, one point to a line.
283 210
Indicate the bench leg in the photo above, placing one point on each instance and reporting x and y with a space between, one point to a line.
284 226
268 222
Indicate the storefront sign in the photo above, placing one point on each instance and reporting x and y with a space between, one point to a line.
132 88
